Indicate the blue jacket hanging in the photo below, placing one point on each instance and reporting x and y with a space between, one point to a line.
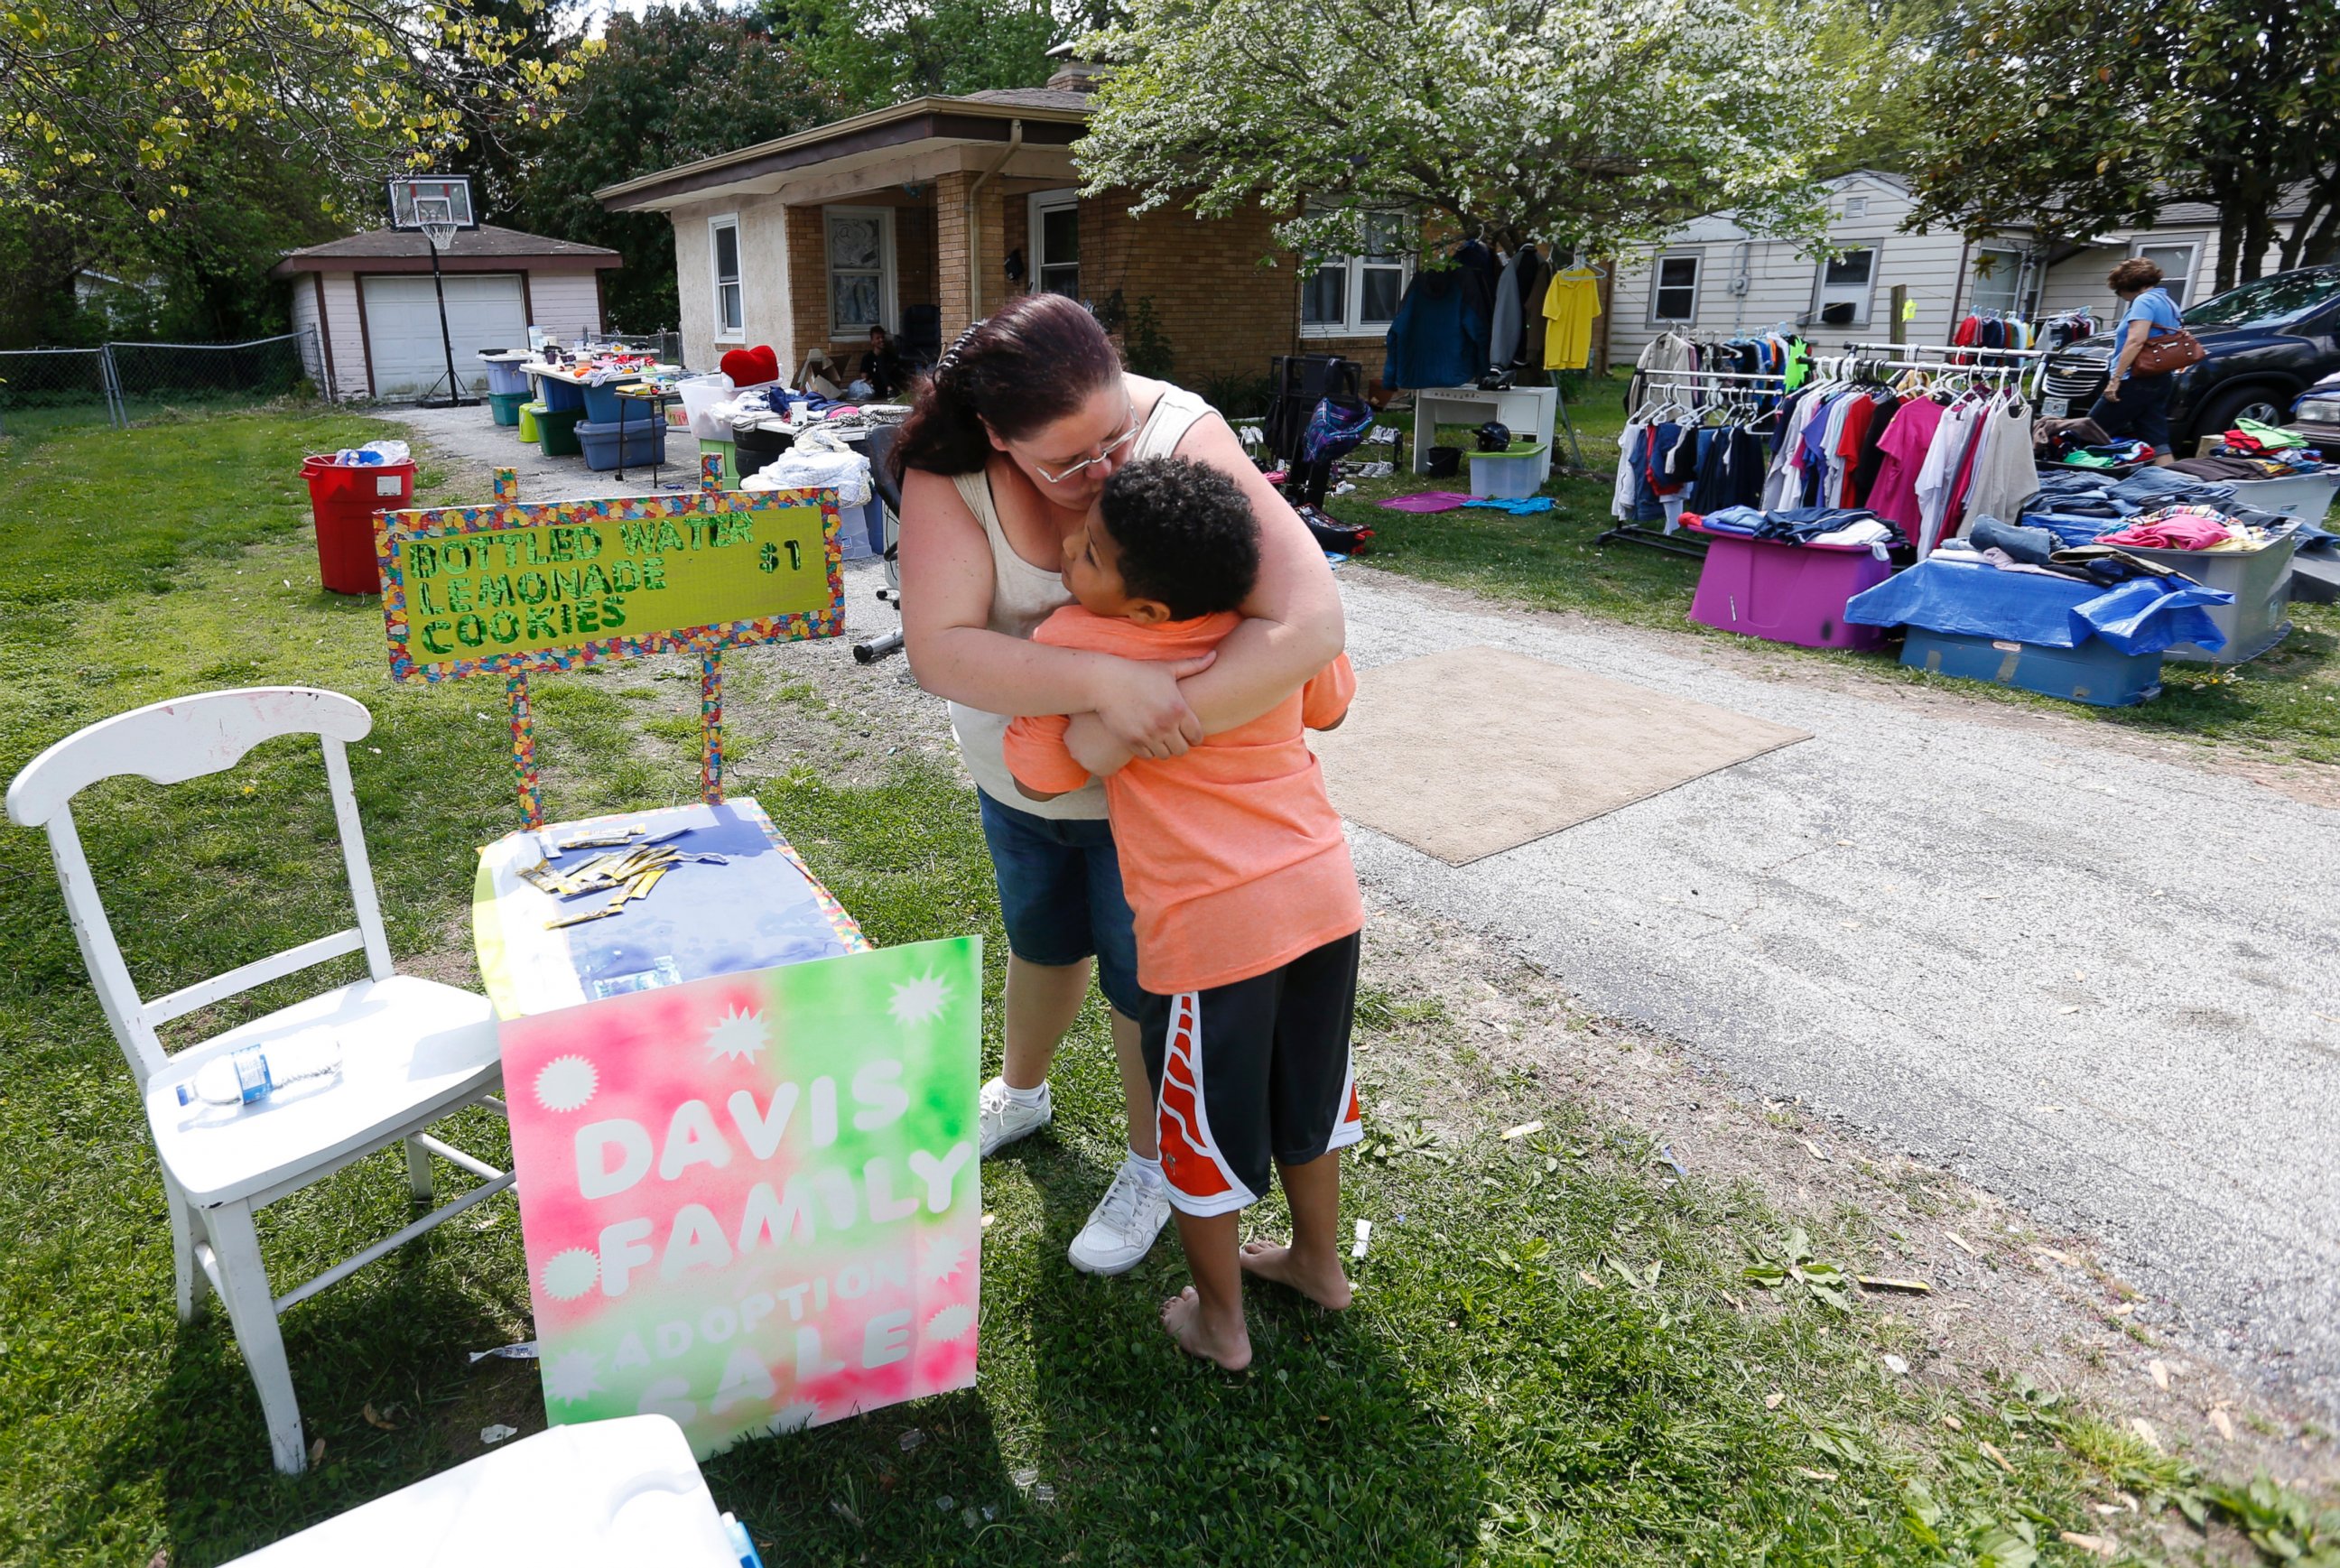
1439 338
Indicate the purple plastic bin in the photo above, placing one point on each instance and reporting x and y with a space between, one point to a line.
1787 593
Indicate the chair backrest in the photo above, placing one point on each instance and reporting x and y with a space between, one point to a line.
170 743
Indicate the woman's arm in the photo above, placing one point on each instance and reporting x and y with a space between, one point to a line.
947 584
2130 348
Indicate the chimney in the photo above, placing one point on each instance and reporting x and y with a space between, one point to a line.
1073 75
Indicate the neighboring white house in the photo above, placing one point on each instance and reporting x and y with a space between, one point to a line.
370 300
1711 279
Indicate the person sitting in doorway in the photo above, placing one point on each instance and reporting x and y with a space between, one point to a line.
2136 405
881 367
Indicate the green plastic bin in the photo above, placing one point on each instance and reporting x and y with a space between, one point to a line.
528 413
730 453
556 431
505 406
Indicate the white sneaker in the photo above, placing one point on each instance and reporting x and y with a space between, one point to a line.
1003 1120
1124 1224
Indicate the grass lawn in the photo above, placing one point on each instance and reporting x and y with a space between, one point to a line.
2287 701
1557 1353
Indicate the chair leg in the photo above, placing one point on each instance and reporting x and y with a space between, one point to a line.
191 1286
252 1309
418 1173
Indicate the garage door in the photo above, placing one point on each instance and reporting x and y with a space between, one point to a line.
484 311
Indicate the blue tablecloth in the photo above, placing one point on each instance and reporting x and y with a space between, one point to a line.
1976 599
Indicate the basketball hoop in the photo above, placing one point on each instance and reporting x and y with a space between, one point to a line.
438 206
435 217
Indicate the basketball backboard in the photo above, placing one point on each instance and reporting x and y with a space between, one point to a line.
420 200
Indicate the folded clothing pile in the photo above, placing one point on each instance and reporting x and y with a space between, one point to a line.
1840 525
2189 528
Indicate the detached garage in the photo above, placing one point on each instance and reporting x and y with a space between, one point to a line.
377 317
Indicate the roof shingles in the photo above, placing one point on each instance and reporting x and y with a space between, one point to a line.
487 240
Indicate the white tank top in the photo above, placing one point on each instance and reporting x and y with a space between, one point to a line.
1024 595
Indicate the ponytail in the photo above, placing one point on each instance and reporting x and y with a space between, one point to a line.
1030 364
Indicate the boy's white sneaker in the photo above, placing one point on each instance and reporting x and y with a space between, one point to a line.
1002 1118
1123 1225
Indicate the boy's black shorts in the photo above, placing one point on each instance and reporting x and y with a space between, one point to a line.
1251 1073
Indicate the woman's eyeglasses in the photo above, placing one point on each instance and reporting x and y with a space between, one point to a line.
1107 452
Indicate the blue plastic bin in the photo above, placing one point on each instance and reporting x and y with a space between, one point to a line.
645 444
561 396
602 405
2096 672
505 378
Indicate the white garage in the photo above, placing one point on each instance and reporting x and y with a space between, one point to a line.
406 351
368 301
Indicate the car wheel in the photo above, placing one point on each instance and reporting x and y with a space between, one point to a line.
2261 403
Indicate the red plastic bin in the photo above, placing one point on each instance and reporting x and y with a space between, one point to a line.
1785 592
342 500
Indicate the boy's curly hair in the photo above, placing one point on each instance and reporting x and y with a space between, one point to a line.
1187 534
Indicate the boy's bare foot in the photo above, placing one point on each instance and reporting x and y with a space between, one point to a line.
1228 1346
1323 1284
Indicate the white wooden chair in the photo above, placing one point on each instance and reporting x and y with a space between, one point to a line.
413 1051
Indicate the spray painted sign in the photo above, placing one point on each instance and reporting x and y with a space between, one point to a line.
751 1202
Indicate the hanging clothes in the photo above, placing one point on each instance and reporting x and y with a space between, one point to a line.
1439 338
1666 351
2004 472
1906 442
1535 272
1503 335
1570 300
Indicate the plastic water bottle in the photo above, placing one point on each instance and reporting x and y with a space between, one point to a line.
243 1077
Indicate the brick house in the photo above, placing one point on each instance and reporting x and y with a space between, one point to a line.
960 203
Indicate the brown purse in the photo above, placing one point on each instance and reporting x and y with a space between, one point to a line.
2170 351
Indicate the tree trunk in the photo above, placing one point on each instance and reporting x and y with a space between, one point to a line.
2230 243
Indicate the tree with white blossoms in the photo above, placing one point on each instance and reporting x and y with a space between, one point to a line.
1595 124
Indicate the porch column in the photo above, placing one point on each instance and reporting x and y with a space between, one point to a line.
953 256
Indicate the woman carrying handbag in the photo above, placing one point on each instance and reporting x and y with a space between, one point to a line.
2154 344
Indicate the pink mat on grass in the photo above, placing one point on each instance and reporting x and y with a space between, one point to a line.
1428 500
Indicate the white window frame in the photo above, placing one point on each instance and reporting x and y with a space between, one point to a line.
1875 249
2190 243
1043 203
1352 323
715 273
1696 257
1856 206
888 312
2020 271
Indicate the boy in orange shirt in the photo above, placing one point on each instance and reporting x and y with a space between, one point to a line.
1246 905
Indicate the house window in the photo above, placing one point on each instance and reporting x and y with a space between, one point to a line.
1357 296
2177 263
1856 206
860 270
1842 296
730 302
1056 240
1997 281
1673 290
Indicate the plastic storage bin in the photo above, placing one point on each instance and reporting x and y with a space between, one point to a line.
643 442
342 504
758 448
2260 581
699 394
603 406
1509 474
556 431
504 374
528 413
2305 496
2096 672
504 407
731 456
556 394
1787 593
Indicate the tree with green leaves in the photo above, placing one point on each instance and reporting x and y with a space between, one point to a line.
879 52
1594 124
675 84
2067 118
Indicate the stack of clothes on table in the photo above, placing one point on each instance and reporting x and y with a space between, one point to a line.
1841 525
2253 450
2080 507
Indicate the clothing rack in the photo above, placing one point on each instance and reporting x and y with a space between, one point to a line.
2007 364
1771 384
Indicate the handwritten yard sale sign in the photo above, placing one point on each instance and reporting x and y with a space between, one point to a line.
751 1202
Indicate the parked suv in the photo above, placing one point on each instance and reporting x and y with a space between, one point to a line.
2268 342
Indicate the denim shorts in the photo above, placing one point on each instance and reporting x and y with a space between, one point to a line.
2142 411
1060 894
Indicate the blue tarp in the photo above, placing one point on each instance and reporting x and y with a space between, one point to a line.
1976 599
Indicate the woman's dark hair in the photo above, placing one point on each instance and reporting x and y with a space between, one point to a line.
1031 362
2134 276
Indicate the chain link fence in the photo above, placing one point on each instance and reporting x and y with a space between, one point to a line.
47 389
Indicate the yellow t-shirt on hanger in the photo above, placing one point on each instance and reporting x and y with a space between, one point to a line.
1571 300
